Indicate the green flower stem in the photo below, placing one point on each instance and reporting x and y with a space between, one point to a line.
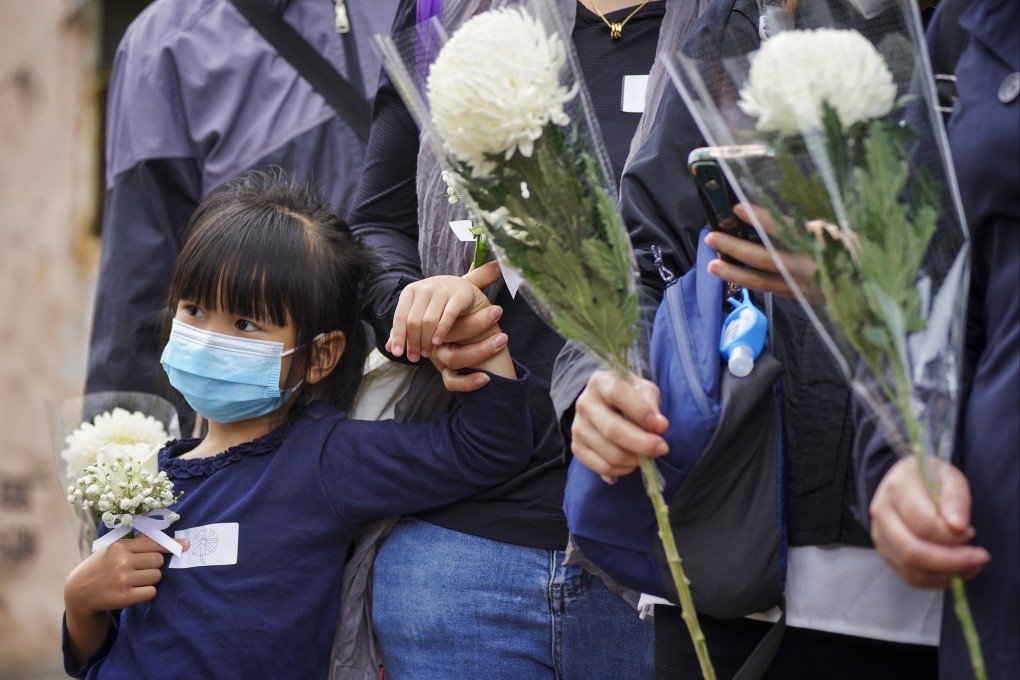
481 252
962 610
961 607
683 586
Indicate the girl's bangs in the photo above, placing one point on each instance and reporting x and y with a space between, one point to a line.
254 281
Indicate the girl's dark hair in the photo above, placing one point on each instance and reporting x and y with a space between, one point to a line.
264 246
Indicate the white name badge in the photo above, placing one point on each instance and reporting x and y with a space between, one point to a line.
632 99
462 229
211 545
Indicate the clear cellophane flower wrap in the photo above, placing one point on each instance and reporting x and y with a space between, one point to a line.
838 146
503 105
105 423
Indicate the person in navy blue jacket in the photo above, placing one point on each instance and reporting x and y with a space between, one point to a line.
974 532
265 341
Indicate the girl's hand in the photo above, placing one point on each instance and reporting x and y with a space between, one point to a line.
617 421
120 575
428 309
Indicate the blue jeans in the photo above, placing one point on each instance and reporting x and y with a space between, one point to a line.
451 605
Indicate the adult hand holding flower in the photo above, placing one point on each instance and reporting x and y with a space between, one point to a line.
925 544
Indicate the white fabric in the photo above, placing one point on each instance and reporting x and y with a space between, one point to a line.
849 590
383 385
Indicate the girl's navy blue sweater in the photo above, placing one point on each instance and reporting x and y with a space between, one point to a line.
298 495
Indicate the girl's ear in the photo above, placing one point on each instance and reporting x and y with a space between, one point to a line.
326 352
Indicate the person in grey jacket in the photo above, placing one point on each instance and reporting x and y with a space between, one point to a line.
197 96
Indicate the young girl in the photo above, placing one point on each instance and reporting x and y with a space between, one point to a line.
265 332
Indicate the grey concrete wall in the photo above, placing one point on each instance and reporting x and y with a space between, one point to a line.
48 143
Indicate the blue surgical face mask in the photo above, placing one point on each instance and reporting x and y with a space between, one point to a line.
225 378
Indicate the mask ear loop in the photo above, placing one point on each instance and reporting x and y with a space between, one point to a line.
300 383
314 340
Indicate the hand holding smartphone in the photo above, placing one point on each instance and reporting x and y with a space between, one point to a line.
717 197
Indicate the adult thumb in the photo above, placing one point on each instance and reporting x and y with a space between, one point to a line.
955 499
484 276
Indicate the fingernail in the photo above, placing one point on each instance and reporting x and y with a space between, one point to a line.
609 480
482 380
436 340
185 543
412 356
397 350
499 340
425 354
661 449
495 312
955 517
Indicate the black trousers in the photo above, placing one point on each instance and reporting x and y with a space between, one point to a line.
803 654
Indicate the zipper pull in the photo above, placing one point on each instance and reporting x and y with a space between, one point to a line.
343 22
665 274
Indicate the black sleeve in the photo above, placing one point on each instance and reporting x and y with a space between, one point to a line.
385 209
144 216
658 198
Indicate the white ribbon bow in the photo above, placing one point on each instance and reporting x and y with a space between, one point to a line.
151 524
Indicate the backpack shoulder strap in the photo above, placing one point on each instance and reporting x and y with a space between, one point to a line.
950 41
310 64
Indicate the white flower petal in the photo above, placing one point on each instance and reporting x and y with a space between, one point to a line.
796 71
495 85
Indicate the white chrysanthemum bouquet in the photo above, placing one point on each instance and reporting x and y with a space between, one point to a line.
111 472
509 115
505 108
858 177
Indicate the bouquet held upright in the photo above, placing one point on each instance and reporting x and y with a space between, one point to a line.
504 107
857 181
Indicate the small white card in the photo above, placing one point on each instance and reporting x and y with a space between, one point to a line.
211 545
633 97
462 228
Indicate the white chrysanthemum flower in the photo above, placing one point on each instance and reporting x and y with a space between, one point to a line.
795 71
495 85
118 426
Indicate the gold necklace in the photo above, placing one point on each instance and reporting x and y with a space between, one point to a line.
616 29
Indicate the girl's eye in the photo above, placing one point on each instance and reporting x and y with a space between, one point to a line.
245 325
193 311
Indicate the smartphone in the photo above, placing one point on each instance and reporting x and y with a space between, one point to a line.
715 192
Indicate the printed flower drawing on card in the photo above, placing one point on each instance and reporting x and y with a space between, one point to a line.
203 544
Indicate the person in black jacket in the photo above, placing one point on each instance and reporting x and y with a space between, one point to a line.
847 615
481 587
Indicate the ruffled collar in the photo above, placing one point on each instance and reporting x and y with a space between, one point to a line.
183 468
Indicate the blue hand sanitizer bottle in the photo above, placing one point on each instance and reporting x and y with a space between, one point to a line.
743 335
